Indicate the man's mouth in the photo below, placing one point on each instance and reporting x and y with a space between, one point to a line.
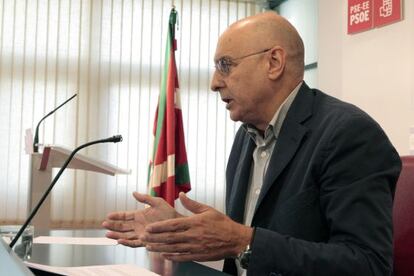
227 101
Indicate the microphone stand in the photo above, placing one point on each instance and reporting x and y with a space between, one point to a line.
114 139
36 137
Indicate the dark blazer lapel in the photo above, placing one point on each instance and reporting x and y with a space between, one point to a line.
290 138
237 197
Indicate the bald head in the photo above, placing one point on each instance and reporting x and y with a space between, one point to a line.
259 61
263 31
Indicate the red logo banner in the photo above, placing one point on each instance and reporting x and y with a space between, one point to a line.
359 15
386 12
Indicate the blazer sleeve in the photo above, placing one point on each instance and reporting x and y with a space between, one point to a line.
357 180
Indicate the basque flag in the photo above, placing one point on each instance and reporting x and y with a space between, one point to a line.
168 173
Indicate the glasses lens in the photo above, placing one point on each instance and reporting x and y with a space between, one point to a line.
223 66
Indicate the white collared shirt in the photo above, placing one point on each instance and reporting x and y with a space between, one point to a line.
261 157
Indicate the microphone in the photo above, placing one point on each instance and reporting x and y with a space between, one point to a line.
36 137
113 139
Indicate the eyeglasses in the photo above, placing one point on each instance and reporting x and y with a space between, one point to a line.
224 64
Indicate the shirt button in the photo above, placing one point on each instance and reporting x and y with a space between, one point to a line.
263 154
257 192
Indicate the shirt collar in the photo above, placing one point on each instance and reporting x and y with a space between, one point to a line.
276 122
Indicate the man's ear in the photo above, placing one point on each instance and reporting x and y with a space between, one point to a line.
277 62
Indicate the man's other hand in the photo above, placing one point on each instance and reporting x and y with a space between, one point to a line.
127 226
205 236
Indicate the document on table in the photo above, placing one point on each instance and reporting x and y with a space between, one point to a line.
74 240
98 270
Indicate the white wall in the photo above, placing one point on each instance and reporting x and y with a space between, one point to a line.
373 70
304 16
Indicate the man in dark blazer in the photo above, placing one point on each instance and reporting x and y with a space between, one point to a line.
310 179
326 201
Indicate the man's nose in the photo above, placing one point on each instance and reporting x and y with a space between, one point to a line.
216 82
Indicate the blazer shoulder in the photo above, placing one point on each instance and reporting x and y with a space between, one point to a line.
333 109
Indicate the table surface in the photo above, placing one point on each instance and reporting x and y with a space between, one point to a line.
86 255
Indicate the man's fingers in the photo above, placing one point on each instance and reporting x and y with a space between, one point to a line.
167 238
128 238
170 248
192 205
147 199
128 215
122 235
116 235
169 225
131 243
119 226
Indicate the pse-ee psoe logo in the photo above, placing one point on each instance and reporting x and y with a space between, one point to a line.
367 14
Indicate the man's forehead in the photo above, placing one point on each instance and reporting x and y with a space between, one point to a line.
232 44
224 47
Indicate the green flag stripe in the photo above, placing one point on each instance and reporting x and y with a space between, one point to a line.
182 175
162 98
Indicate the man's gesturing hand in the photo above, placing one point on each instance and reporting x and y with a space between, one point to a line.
127 226
205 236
